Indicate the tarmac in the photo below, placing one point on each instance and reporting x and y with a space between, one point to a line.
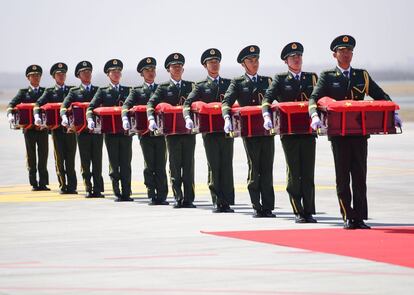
54 244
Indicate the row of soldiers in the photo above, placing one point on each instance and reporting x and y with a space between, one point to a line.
341 83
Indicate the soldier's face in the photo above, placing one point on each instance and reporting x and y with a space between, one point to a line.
176 71
85 76
251 65
34 79
344 56
149 74
294 62
213 67
60 78
115 76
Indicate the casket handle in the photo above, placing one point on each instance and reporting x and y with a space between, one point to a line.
157 132
322 131
231 134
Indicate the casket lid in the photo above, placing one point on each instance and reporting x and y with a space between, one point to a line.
142 108
108 111
212 108
167 108
329 104
79 104
249 110
292 106
51 106
25 106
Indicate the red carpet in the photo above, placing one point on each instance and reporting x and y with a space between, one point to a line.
393 245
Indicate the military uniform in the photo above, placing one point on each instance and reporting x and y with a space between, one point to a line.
350 152
90 144
219 148
64 143
119 146
259 149
153 148
180 147
33 136
299 149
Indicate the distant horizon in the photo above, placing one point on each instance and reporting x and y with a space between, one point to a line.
130 77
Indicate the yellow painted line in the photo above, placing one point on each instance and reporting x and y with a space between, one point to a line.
23 193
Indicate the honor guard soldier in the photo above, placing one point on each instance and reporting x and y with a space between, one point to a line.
33 137
219 148
119 146
249 90
180 147
299 149
350 152
90 144
153 148
64 143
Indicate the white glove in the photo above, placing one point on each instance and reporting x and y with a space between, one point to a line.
91 124
65 121
189 124
125 123
10 117
397 120
37 120
316 122
267 124
227 125
152 125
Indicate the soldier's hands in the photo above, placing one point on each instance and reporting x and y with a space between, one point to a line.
37 120
91 124
227 125
189 124
65 121
125 123
316 122
152 125
397 120
267 124
10 118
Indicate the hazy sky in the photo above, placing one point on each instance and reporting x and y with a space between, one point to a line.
47 31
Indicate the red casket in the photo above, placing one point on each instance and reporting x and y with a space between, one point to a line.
291 118
50 114
23 116
108 120
248 122
77 117
357 117
207 117
138 119
170 120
